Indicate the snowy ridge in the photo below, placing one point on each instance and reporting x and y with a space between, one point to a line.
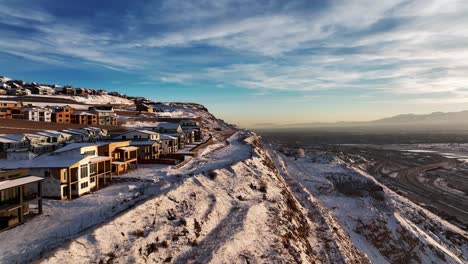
231 205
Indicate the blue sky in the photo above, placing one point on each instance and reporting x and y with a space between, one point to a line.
250 62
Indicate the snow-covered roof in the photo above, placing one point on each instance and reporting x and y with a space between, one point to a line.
28 135
143 131
73 146
14 137
128 148
9 102
167 125
144 142
99 159
18 182
166 137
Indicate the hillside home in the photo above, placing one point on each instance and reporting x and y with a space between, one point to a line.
37 114
139 134
17 196
55 136
180 139
191 126
105 115
81 91
18 91
169 144
10 142
68 90
148 150
84 134
144 107
124 157
62 114
166 127
69 172
40 143
84 118
42 90
9 108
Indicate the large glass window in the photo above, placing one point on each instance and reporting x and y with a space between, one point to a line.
84 171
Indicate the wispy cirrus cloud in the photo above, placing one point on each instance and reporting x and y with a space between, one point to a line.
401 47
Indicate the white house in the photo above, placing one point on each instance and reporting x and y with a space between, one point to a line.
37 114
69 172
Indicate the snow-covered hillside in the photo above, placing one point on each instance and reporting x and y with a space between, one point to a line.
228 205
385 226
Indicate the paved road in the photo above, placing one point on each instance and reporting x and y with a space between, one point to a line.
414 177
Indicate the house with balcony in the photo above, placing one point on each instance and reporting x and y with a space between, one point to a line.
62 114
105 115
124 156
37 114
68 172
13 142
84 118
20 197
39 143
169 144
148 150
8 109
192 126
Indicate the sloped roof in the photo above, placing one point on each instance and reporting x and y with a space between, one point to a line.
18 182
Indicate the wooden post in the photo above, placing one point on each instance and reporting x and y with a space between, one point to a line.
39 194
69 195
20 210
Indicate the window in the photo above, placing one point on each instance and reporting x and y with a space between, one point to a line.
46 173
90 152
93 179
84 185
92 168
83 171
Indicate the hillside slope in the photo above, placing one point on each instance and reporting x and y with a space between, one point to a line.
381 223
230 206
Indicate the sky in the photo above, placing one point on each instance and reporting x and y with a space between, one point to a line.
253 63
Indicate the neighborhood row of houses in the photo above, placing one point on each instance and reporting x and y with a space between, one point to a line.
95 115
70 163
21 88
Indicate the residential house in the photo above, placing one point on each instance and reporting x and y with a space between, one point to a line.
18 91
69 172
83 134
39 143
139 134
167 127
84 118
42 90
10 109
144 107
11 142
81 91
62 114
16 195
180 139
37 114
148 150
105 115
56 136
124 157
68 90
192 126
169 144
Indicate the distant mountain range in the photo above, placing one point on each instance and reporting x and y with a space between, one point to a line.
437 120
